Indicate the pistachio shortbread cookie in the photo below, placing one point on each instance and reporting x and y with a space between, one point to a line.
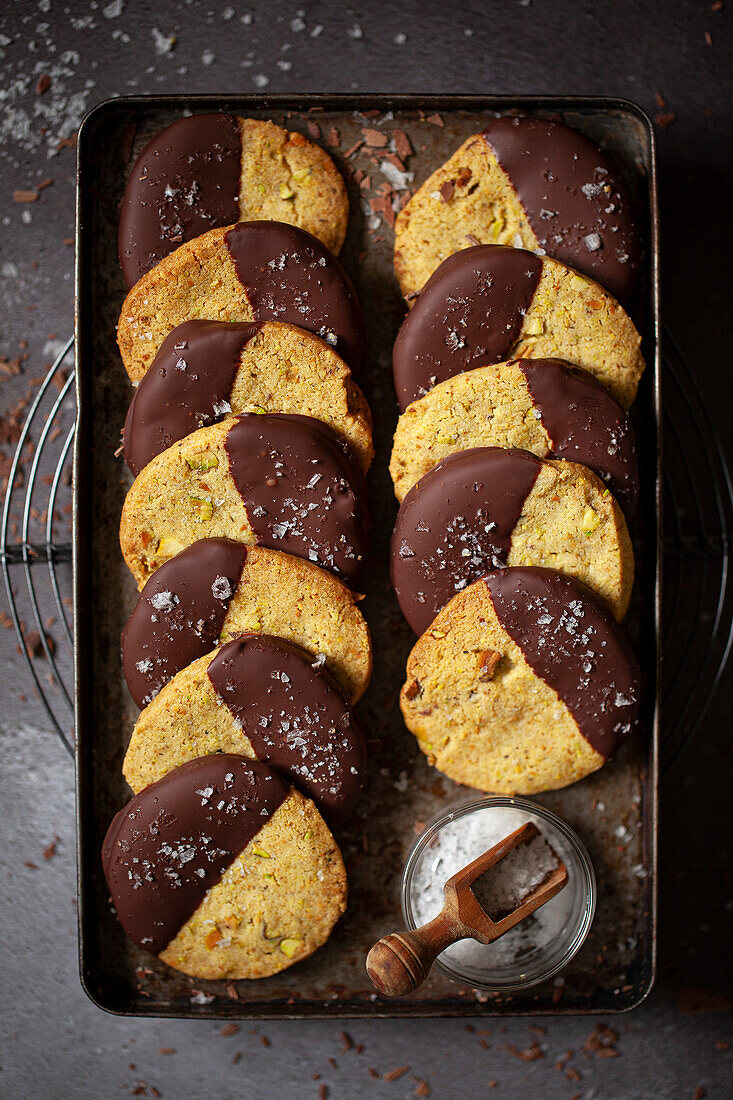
539 405
253 271
282 481
205 370
208 171
487 507
528 182
217 589
488 303
261 697
523 683
223 871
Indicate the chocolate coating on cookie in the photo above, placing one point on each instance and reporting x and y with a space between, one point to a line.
585 424
301 490
456 525
176 839
295 717
469 314
290 276
186 387
573 196
185 182
575 646
180 614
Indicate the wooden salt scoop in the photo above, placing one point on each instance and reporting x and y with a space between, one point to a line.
401 961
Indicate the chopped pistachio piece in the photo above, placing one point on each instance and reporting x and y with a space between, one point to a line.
590 520
261 853
533 327
286 192
204 460
205 507
169 547
289 947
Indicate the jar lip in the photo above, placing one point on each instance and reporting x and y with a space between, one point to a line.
517 802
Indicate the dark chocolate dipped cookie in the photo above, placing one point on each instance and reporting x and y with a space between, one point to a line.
223 871
486 508
261 697
206 370
523 683
208 171
540 405
255 271
488 303
281 481
530 183
217 589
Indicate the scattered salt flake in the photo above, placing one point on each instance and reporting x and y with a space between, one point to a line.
164 601
399 180
201 998
164 43
221 588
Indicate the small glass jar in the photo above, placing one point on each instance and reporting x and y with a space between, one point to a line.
539 946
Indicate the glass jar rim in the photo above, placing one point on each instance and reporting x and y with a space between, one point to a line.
462 809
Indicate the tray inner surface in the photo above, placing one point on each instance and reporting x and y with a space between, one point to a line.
613 811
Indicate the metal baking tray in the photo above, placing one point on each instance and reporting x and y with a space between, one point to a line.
614 811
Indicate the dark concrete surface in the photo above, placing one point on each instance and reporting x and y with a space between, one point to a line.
54 1042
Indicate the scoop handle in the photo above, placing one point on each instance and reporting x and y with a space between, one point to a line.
400 962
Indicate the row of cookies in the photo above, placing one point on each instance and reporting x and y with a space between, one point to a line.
246 529
514 460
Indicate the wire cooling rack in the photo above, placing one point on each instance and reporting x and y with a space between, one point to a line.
35 550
